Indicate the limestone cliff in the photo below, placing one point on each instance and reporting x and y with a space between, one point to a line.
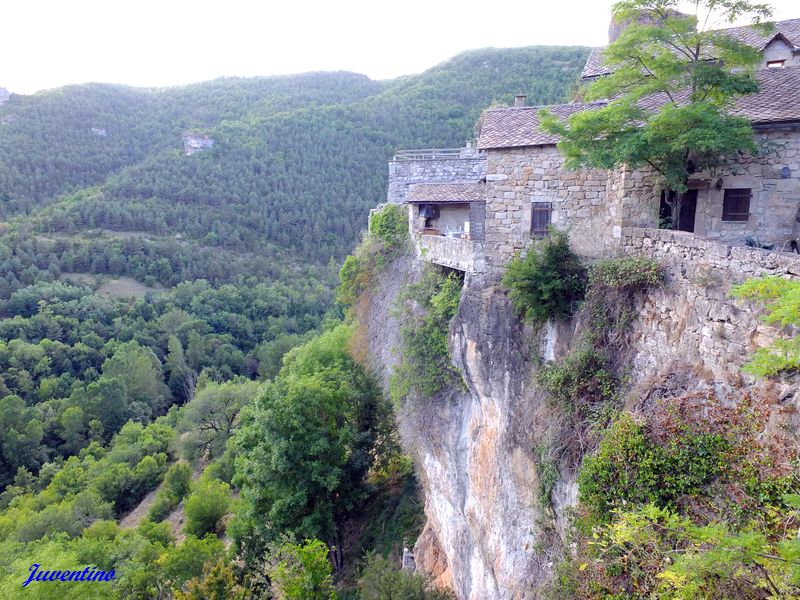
488 535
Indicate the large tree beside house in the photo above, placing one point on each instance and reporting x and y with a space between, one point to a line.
671 81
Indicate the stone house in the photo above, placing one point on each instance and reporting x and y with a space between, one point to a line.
473 209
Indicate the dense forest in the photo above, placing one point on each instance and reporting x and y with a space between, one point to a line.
176 384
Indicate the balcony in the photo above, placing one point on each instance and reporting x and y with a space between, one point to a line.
453 252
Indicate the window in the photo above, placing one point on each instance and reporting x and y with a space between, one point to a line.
775 64
736 205
541 213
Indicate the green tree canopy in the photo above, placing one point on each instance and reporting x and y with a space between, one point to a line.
306 444
672 80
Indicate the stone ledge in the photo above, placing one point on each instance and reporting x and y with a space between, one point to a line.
456 253
743 259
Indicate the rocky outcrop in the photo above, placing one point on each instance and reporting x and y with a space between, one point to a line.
478 447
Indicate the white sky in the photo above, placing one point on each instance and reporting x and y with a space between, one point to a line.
48 43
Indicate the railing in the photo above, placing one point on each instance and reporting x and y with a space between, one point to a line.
435 154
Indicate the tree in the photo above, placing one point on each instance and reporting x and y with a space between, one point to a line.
306 445
182 379
206 507
301 571
672 82
218 582
209 418
140 371
381 580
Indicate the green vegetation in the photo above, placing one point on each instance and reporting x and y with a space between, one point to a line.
629 468
668 56
176 488
694 500
206 506
387 239
145 296
782 299
381 580
584 373
427 307
301 571
548 282
390 226
306 444
586 380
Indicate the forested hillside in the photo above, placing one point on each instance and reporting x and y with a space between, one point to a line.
167 319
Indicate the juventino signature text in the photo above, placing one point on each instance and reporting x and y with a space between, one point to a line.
88 574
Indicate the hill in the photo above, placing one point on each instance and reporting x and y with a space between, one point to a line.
297 161
147 296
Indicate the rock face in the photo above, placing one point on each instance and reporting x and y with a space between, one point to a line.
195 142
488 535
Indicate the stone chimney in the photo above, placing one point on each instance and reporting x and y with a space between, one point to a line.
520 100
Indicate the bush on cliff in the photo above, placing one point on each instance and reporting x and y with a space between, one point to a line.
782 299
390 226
427 309
388 237
548 282
689 500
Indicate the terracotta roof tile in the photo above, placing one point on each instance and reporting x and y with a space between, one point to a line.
446 192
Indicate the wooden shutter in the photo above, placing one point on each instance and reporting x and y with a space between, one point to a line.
541 213
736 205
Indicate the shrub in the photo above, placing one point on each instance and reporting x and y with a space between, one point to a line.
353 279
178 480
176 486
301 571
390 226
549 282
380 579
388 234
584 375
630 468
782 299
425 366
206 507
626 274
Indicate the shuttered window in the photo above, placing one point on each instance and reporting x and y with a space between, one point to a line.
736 205
541 212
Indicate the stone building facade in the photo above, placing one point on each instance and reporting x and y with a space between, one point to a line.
525 187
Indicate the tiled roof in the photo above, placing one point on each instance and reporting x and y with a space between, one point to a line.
446 192
778 100
788 29
594 65
518 127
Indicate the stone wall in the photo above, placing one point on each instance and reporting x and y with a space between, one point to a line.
780 50
516 178
456 253
469 166
776 197
692 318
595 206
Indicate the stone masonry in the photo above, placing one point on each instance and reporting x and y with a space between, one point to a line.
459 166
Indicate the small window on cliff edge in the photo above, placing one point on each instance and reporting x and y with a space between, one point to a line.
736 205
541 213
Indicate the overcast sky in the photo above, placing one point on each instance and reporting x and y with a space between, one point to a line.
48 43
